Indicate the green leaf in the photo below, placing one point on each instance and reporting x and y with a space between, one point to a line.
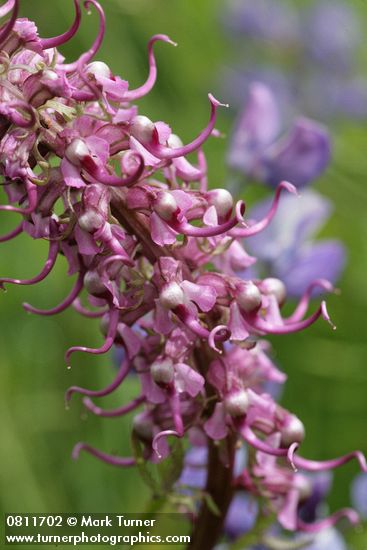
170 469
144 467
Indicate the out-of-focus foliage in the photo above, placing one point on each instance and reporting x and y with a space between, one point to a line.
327 384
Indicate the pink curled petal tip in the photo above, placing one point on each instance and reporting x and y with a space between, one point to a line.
326 315
287 186
290 455
221 334
214 101
158 437
162 38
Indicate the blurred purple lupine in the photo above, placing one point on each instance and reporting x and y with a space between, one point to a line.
359 494
288 250
316 54
158 257
257 151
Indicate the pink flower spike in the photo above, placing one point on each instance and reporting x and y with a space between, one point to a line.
50 262
108 343
149 83
6 30
348 513
113 413
88 56
121 375
62 38
108 459
163 152
158 437
12 234
249 231
75 291
303 304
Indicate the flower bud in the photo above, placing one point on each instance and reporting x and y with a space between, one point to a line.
222 200
98 68
77 151
91 220
165 205
293 431
174 141
162 372
237 403
248 297
143 426
142 129
172 296
93 283
275 287
304 487
48 74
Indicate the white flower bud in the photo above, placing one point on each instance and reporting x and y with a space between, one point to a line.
142 128
143 426
293 431
275 287
91 220
222 200
93 283
48 74
174 141
237 403
98 68
77 151
165 205
162 371
248 297
172 296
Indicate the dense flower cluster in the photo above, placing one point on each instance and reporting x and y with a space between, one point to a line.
159 257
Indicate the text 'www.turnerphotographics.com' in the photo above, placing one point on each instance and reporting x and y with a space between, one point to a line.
99 529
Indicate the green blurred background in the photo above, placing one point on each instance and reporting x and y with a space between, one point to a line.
327 370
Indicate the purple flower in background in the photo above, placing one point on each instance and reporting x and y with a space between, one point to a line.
270 20
241 516
320 73
332 34
257 151
359 494
287 249
320 486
